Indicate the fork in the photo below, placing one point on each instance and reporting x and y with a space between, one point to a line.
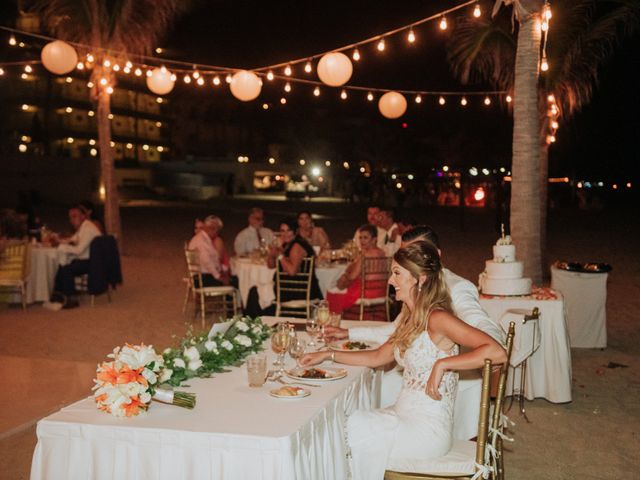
280 380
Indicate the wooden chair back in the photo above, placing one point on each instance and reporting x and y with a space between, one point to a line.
374 275
298 285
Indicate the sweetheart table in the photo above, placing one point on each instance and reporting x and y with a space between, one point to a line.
234 432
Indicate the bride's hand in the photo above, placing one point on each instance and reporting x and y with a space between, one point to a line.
433 383
310 359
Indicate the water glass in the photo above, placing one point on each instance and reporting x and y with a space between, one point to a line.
312 329
297 348
335 319
256 370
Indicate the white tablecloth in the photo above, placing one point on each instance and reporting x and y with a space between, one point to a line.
549 368
235 432
44 265
261 276
585 299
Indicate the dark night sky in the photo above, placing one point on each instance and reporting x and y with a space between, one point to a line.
599 141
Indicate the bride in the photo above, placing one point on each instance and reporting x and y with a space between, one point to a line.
419 425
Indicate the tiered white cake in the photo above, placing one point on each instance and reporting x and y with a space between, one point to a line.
503 274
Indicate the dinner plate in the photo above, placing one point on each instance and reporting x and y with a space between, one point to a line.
342 346
330 374
302 392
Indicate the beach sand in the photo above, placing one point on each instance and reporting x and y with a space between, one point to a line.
48 359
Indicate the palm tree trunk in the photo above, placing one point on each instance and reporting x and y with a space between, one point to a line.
544 203
111 203
525 169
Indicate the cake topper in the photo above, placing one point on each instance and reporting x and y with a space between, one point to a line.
502 230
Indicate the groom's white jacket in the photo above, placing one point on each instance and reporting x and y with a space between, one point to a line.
466 306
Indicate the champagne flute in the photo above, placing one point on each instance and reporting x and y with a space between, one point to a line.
280 341
297 348
312 329
323 315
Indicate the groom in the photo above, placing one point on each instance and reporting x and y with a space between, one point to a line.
466 306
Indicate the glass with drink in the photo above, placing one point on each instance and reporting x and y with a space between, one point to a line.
256 370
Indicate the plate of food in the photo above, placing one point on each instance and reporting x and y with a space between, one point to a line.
352 346
290 392
317 374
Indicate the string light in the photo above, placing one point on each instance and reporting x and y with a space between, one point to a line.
381 45
187 79
265 106
228 78
68 79
308 68
356 55
1 71
343 95
288 71
270 75
90 58
200 81
463 101
149 73
287 87
487 101
544 66
106 63
283 100
441 100
28 69
411 37
551 98
128 65
555 125
80 66
509 99
216 80
24 76
196 74
90 84
476 10
173 77
418 98
316 91
443 23
12 41
103 81
137 72
370 96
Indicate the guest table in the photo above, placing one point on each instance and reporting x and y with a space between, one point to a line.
251 274
585 297
44 265
235 432
548 372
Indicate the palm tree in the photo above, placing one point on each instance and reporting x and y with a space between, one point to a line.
114 30
579 43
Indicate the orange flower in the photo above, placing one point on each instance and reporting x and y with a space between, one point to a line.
133 408
126 375
101 398
108 374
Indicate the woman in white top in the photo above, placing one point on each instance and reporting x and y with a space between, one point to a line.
425 342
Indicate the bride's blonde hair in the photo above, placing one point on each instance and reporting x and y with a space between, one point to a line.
420 258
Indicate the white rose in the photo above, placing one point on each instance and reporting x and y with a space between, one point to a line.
243 340
167 351
210 345
165 375
145 397
195 364
256 329
149 375
191 353
240 325
227 344
178 363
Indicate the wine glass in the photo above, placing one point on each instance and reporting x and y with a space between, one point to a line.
313 328
280 342
323 315
297 347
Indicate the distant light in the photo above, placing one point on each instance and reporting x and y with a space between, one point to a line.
381 45
445 168
102 191
92 142
509 99
356 55
70 140
411 37
473 171
25 138
287 87
362 169
145 147
345 165
393 176
158 124
25 107
443 23
216 80
579 185
159 50
187 79
442 101
410 176
228 78
615 186
628 184
502 169
90 58
476 10
160 148
551 98
370 96
486 171
418 99
12 41
109 90
315 171
265 106
24 76
112 144
106 63
68 79
302 161
272 161
487 101
600 184
288 71
316 91
129 146
327 163
343 95
137 72
270 75
405 125
93 152
398 185
308 68
91 113
200 81
463 101
28 69
479 194
544 66
159 100
22 148
283 100
110 116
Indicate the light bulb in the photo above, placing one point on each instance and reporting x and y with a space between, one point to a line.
551 98
509 99
200 81
196 74
287 87
173 77
12 41
288 71
411 37
487 101
555 125
103 81
116 68
356 55
381 45
187 79
476 10
308 68
343 95
547 12
228 78
1 71
128 65
90 84
370 96
316 91
442 101
283 100
80 66
106 63
90 58
418 99
270 75
443 23
28 69
463 101
137 72
149 73
216 80
544 66
265 106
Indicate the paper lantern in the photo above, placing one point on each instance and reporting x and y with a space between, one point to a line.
160 81
392 105
59 57
245 85
335 69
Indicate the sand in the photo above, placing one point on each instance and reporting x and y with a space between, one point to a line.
47 359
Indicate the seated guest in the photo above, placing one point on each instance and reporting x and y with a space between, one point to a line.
291 253
214 262
197 226
350 279
392 237
372 219
92 215
254 235
315 236
406 223
76 249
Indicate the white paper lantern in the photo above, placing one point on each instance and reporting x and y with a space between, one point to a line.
245 85
59 57
160 81
392 105
335 69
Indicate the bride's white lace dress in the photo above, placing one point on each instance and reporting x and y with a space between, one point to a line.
417 426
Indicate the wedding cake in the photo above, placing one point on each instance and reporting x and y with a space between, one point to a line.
503 274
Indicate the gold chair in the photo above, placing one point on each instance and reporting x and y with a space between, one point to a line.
468 458
14 270
374 275
299 285
200 293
